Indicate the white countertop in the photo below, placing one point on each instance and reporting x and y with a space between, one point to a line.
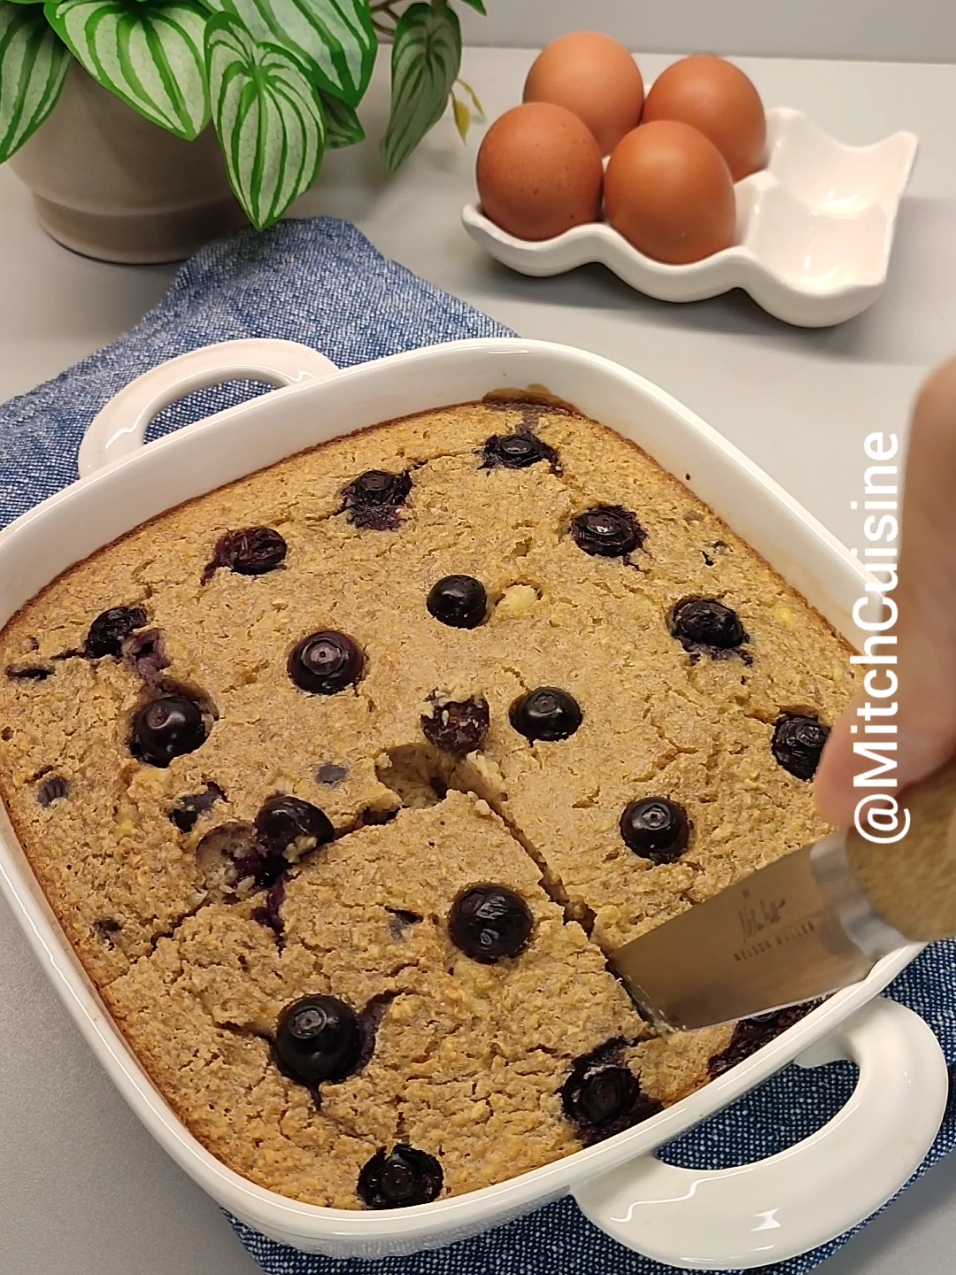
83 1190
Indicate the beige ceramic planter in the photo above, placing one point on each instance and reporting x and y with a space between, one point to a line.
111 185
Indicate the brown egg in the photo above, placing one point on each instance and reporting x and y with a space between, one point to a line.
668 191
595 78
716 97
539 172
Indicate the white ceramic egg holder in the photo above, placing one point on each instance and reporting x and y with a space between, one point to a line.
814 231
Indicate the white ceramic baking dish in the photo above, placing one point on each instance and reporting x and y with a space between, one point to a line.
757 1214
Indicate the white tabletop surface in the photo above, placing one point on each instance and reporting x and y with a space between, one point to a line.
83 1190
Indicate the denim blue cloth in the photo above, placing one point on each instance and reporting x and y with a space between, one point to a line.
319 282
322 283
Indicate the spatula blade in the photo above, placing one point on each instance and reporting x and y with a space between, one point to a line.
771 940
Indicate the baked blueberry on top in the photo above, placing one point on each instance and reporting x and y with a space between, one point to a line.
400 1178
517 451
251 551
798 742
167 727
702 623
326 662
372 500
490 922
608 531
110 629
601 1096
289 826
458 601
655 828
546 713
318 1038
457 726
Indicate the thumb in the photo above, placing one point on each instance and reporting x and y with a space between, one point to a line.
918 693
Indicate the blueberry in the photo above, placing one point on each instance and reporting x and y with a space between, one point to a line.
110 628
458 726
602 1097
706 622
399 1178
318 1038
270 914
605 1095
608 531
372 500
751 1034
167 727
458 601
187 810
797 743
655 829
546 713
53 789
251 551
378 487
331 775
258 869
287 824
106 929
516 451
490 922
326 662
234 862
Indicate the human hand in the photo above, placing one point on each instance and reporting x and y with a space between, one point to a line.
926 628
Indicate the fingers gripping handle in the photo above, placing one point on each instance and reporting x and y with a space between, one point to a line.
767 1212
119 429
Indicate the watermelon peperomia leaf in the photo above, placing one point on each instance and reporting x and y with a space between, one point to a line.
268 116
33 66
150 55
426 56
334 39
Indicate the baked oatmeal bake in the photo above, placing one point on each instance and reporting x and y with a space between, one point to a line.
344 779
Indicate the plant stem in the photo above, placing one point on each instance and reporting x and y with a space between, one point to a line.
380 12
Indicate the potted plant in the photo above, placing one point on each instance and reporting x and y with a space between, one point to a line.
166 121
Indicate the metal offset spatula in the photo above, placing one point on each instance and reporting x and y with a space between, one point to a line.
808 924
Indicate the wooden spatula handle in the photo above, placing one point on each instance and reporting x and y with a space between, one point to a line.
912 883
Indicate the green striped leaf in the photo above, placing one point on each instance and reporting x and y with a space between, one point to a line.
33 66
268 116
342 126
150 55
426 55
334 38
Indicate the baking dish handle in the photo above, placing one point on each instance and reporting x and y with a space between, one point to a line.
777 1208
119 429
